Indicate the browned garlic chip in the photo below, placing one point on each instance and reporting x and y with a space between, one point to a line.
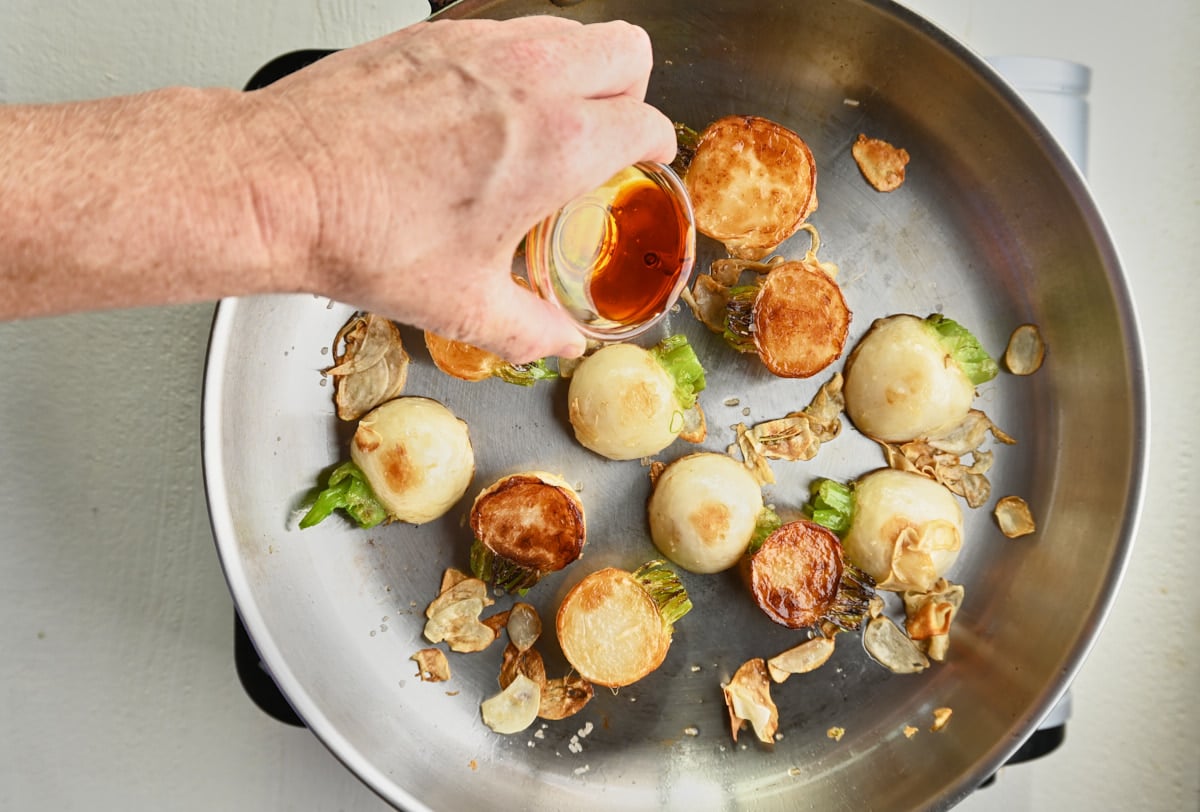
1014 517
451 577
564 696
748 698
941 718
513 709
1026 350
797 435
453 616
527 663
941 458
524 626
457 625
801 659
371 366
707 300
432 664
930 615
881 163
891 647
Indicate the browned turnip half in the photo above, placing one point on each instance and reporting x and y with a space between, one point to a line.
799 578
752 183
615 627
525 525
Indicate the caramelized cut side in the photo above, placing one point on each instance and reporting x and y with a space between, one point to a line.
796 574
531 520
800 320
611 630
461 360
752 183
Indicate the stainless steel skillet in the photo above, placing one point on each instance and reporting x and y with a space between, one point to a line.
994 228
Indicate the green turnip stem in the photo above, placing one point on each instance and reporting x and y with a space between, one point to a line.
831 505
739 318
964 348
678 358
504 573
853 598
665 589
525 374
768 522
686 141
348 491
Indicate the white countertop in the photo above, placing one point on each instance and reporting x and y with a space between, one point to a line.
117 686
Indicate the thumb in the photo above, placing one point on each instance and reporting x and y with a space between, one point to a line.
519 326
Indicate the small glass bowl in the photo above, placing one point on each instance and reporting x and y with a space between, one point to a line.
617 258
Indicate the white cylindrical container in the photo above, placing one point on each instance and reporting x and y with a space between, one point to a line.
1057 91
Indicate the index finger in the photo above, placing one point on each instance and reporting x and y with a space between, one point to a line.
598 60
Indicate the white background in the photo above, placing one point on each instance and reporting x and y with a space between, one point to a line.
117 688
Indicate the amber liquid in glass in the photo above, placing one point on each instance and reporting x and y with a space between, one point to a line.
633 279
620 251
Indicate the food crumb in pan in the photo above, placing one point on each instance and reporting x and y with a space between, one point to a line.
910 731
582 770
732 401
473 764
851 102
691 730
941 718
836 733
695 668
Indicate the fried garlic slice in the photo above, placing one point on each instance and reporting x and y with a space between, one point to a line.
941 458
465 589
808 656
453 616
1026 350
748 698
1014 517
564 696
882 164
516 663
796 436
524 626
432 665
707 299
929 616
459 627
513 709
891 647
371 366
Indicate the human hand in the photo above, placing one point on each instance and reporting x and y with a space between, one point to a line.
428 154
